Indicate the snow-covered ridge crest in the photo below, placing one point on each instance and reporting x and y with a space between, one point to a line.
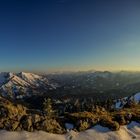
30 77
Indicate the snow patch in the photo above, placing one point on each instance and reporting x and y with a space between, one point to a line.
129 132
137 97
69 126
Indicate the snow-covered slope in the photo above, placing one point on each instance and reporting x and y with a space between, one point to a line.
121 102
129 132
4 76
31 78
17 84
137 97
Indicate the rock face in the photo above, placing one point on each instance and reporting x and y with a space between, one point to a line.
10 109
10 114
14 117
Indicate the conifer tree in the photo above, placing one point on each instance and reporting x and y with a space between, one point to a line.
48 106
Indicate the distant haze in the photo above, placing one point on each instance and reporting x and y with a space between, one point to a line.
69 35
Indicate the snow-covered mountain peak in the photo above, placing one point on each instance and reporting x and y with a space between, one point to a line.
14 84
30 77
17 80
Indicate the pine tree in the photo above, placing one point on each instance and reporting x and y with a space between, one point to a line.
48 107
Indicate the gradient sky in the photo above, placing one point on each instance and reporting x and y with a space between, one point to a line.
45 35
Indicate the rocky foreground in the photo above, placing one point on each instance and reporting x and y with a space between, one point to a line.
16 117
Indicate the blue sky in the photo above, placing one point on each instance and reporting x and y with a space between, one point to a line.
51 35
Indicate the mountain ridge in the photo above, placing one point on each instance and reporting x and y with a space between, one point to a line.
12 84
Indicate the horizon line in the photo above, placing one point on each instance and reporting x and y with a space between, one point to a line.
70 71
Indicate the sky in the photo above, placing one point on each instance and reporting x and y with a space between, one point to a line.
69 35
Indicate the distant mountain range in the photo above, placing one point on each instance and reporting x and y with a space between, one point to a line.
91 83
98 83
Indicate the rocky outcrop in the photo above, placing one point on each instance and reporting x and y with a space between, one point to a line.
14 117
